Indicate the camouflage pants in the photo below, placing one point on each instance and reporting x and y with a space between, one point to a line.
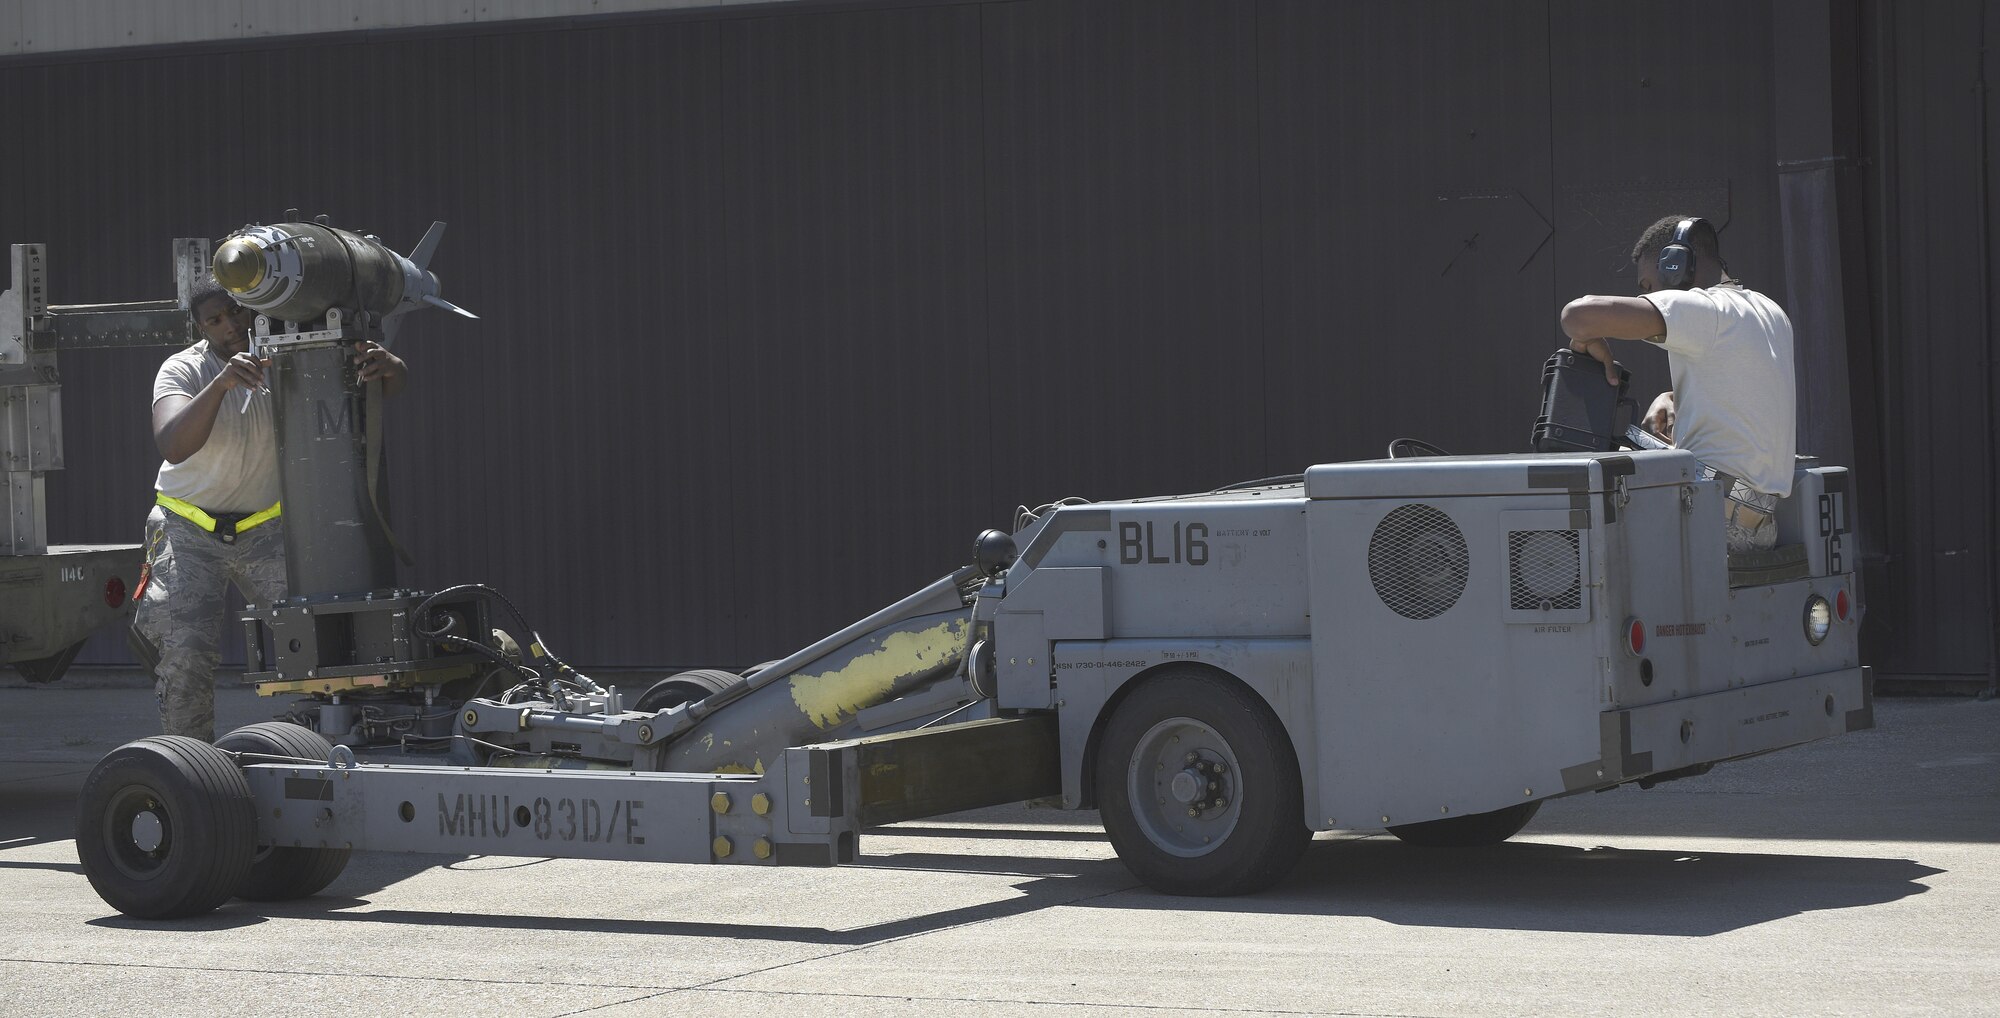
186 598
1749 518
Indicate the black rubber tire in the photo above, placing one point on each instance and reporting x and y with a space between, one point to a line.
1469 831
685 687
754 669
282 873
1263 841
206 827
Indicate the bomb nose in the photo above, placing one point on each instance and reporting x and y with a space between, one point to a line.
239 265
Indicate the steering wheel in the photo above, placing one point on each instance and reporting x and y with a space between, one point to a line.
1407 448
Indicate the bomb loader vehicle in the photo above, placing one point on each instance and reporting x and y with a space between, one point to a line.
1430 645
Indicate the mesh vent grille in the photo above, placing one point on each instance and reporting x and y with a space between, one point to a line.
1543 570
1417 561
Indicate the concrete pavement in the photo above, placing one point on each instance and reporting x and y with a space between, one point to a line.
1855 876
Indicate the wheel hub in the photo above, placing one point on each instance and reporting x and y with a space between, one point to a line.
137 831
147 831
1199 786
1181 780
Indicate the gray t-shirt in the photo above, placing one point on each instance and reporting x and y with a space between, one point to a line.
236 471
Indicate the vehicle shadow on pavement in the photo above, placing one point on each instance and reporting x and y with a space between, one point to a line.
213 922
1069 881
1035 895
367 873
1516 886
1565 888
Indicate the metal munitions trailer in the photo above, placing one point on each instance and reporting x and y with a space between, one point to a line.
1433 646
52 597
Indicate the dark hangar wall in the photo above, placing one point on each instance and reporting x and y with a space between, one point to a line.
1934 148
781 306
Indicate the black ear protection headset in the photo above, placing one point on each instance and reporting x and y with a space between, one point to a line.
1677 260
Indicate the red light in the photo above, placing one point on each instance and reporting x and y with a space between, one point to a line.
1635 636
1840 606
114 592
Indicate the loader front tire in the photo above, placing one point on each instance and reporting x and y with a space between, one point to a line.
165 827
1199 786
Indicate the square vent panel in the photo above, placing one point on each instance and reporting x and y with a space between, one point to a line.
1544 570
1548 567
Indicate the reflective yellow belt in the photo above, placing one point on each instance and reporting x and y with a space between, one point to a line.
224 526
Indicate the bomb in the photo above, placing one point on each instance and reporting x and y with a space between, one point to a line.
296 272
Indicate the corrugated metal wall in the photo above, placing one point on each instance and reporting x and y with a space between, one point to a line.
1933 215
780 308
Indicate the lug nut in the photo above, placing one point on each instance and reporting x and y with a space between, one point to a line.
1192 757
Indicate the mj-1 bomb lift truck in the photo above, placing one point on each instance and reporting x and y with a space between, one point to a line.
1431 645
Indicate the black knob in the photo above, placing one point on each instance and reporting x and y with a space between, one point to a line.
994 551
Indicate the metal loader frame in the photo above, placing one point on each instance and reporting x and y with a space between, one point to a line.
52 597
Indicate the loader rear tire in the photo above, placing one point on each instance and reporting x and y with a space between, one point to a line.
1469 831
1199 786
165 827
685 687
282 873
